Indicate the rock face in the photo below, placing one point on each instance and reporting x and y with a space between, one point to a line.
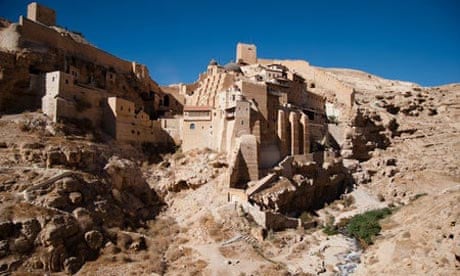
74 210
129 188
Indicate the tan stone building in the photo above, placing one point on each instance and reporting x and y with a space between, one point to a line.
257 114
36 45
66 100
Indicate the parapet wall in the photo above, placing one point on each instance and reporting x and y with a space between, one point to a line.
36 33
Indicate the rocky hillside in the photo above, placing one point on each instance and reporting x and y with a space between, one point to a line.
74 201
417 170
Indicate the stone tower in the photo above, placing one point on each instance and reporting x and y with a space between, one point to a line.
42 14
246 53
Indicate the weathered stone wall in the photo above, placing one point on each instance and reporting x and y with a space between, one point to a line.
42 14
197 134
32 32
64 100
244 163
246 53
343 93
130 125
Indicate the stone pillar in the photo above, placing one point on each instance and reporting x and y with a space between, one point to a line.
306 133
294 122
282 133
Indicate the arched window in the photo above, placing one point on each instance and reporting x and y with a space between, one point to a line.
192 126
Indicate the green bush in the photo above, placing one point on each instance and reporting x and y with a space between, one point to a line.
365 226
330 230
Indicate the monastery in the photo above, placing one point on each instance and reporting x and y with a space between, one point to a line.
259 112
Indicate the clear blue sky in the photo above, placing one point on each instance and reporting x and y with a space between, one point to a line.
413 40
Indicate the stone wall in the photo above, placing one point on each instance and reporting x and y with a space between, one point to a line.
197 135
244 163
128 125
246 53
66 101
343 93
35 33
42 14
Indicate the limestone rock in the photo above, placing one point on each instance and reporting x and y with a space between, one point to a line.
31 228
21 245
94 239
71 265
75 198
58 229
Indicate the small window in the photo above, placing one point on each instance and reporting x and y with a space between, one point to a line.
66 81
132 131
242 122
192 126
121 108
138 133
53 78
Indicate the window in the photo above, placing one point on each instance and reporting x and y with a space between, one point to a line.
53 79
242 122
192 126
66 81
132 131
121 108
166 100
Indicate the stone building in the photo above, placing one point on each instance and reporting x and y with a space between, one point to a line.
257 114
67 100
35 46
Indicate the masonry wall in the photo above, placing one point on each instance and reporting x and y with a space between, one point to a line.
246 53
64 100
343 92
244 163
41 14
37 33
197 134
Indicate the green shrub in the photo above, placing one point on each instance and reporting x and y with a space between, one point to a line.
365 226
330 230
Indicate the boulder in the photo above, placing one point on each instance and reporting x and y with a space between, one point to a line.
21 245
71 265
57 230
31 228
94 239
76 198
69 184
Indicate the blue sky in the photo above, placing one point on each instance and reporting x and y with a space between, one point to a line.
413 40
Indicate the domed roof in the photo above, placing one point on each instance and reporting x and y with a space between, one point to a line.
233 67
213 62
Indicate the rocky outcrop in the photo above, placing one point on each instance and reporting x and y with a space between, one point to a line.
310 186
74 211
